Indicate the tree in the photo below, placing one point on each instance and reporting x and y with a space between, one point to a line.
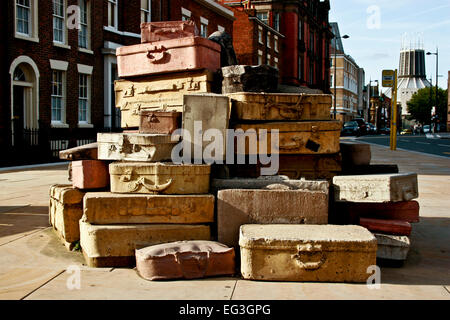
419 107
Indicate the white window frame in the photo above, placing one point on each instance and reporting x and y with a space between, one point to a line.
33 29
268 39
204 27
269 58
85 71
300 29
146 14
260 35
63 18
276 43
276 62
113 22
260 57
266 21
185 14
277 21
59 66
87 24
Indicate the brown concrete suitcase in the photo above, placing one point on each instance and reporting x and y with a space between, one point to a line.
393 227
65 211
185 260
115 245
316 137
159 178
157 93
324 253
135 147
175 55
280 106
163 122
90 174
166 30
113 208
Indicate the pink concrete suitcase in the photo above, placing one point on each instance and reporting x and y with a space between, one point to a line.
166 30
167 56
90 174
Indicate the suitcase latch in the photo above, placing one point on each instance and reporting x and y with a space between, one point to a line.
310 257
157 54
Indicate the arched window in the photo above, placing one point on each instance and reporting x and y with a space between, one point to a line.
19 75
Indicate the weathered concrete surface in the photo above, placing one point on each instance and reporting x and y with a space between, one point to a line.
392 247
90 174
423 276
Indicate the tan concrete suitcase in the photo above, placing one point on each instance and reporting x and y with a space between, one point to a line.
135 146
174 55
212 111
159 178
280 106
304 253
111 208
115 245
158 92
316 137
65 211
239 207
376 188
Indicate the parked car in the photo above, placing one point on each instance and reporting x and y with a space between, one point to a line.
406 131
427 129
362 125
385 130
350 129
371 129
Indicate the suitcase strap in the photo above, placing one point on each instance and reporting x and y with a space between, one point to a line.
142 182
309 250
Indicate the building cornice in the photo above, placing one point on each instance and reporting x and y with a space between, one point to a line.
218 8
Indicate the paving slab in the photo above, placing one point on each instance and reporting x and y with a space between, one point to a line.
253 290
125 284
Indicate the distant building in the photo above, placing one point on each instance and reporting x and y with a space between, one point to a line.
350 80
304 49
57 82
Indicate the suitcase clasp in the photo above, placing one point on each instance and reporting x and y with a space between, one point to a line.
157 54
309 257
134 186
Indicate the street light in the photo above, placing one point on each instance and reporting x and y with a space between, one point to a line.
437 72
335 62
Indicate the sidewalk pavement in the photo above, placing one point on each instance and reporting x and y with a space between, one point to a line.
34 264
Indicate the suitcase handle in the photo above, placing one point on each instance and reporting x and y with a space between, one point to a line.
309 250
297 143
156 54
134 186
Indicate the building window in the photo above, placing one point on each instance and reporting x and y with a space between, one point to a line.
83 34
260 35
269 62
275 45
300 29
84 98
203 27
311 41
57 96
263 16
113 14
146 11
275 62
59 21
300 68
260 57
23 17
185 14
311 72
268 40
276 21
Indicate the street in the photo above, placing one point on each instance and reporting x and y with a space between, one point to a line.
439 147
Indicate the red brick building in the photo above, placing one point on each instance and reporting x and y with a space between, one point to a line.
307 34
58 67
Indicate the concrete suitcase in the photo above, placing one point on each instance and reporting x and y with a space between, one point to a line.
185 260
376 188
242 78
65 211
392 247
295 167
159 178
86 152
135 147
394 227
212 112
239 207
90 174
175 55
110 208
324 253
280 106
157 93
115 245
166 30
318 137
162 122
355 154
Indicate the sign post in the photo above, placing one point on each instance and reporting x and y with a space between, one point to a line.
390 81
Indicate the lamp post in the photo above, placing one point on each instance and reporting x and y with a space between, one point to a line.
371 94
437 73
335 63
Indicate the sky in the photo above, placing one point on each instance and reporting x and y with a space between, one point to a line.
376 28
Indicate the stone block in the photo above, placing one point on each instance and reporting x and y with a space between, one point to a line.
90 174
325 253
163 122
110 208
239 207
392 247
185 260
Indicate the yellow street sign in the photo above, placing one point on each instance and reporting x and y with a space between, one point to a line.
388 78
